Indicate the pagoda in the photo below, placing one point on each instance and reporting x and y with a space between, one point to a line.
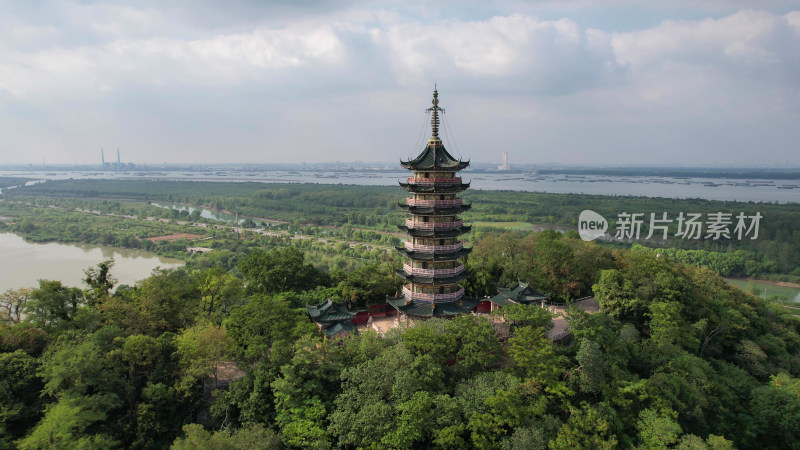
433 246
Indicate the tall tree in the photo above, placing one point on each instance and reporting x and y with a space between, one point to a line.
13 303
53 306
279 270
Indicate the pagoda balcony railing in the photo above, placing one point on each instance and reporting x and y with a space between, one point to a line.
454 180
417 202
432 272
432 297
433 248
433 225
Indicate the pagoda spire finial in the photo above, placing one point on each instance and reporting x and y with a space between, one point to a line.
435 116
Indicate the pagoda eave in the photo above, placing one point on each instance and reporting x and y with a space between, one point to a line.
418 233
435 167
415 308
434 189
421 256
434 281
433 210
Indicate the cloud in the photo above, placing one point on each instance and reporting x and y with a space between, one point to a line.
516 53
175 77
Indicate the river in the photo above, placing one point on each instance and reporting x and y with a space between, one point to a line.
766 289
763 190
24 263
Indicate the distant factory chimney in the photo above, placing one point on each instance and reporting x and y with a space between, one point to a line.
118 163
504 165
102 157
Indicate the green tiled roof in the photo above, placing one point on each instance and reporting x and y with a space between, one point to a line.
434 156
339 327
431 280
416 232
434 188
435 211
519 293
423 256
329 311
425 309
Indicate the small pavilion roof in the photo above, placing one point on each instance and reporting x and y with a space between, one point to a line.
329 311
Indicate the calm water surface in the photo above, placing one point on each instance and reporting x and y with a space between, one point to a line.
756 190
766 290
22 263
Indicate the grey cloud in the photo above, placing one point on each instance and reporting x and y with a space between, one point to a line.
180 82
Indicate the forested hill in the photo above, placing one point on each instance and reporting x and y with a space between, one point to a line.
207 357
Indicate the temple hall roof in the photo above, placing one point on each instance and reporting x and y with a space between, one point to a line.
336 328
519 293
329 311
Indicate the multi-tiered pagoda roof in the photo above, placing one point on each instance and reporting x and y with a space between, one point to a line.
433 246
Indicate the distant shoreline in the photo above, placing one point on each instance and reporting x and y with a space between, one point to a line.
787 284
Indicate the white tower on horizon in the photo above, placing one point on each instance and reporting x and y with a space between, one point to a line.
504 165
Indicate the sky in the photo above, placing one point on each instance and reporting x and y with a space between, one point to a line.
580 82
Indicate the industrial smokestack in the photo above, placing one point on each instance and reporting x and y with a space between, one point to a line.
118 163
102 157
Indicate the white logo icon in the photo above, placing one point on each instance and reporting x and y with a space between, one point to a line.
591 225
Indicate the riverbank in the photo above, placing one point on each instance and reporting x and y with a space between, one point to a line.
24 263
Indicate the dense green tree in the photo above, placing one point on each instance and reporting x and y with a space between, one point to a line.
279 270
477 345
775 410
265 328
657 430
365 406
220 290
432 337
167 301
202 348
525 315
20 403
367 284
13 303
53 306
100 281
255 437
592 376
586 428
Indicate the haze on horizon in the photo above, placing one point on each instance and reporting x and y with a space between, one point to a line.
575 81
